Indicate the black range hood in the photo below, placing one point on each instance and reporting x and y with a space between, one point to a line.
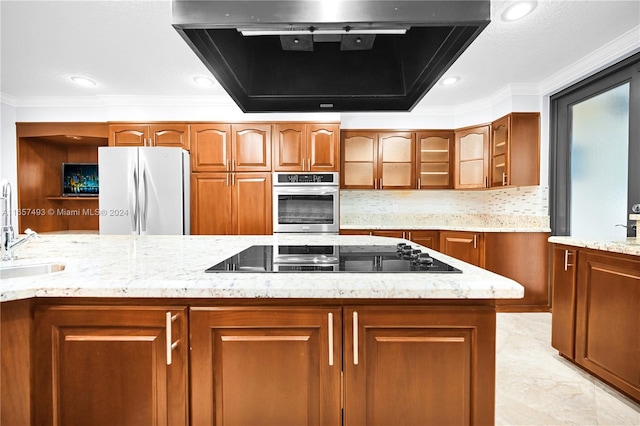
330 55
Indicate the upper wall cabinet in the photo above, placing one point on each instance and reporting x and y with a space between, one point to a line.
218 147
472 157
306 147
378 160
434 159
515 150
154 134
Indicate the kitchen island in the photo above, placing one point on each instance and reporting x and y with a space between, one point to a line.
138 317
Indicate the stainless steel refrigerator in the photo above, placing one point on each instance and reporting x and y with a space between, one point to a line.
143 191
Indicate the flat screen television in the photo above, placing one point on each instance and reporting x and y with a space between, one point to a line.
80 179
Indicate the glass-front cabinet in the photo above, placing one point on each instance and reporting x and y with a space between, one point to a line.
434 151
500 152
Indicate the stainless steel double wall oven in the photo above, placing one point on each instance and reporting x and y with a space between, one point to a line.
306 203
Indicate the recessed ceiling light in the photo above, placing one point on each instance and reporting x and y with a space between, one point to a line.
518 10
450 81
83 81
203 81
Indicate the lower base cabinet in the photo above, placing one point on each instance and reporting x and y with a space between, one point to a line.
418 366
265 366
110 365
597 303
466 246
325 364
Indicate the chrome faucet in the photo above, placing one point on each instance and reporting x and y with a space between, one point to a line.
9 241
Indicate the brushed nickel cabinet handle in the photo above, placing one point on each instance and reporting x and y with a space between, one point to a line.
233 165
419 184
355 338
227 183
169 319
226 167
504 179
566 260
330 321
475 241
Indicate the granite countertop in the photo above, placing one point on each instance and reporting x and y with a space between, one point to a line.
629 246
173 267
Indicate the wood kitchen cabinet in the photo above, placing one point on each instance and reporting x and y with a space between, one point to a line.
434 159
377 160
466 246
219 147
471 166
523 257
306 147
429 239
149 134
413 366
595 319
110 365
608 319
266 366
515 150
231 203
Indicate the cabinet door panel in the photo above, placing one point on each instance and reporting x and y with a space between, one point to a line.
290 147
128 134
429 239
282 353
323 149
211 203
466 246
210 147
608 320
176 135
396 175
360 156
397 160
251 148
418 367
109 365
472 157
252 204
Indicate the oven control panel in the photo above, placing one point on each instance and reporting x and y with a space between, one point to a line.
328 178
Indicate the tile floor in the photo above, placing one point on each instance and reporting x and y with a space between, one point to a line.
535 386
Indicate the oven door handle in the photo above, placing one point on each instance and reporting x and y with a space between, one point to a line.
307 191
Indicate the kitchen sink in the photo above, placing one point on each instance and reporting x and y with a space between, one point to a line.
29 270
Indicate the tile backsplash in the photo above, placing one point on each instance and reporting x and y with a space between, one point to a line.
513 208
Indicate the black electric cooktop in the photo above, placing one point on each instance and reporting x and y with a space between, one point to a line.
326 258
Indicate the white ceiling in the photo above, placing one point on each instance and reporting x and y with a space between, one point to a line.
131 49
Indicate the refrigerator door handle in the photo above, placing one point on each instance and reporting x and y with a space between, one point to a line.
145 199
133 200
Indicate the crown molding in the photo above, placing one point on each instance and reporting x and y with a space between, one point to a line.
7 99
614 51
